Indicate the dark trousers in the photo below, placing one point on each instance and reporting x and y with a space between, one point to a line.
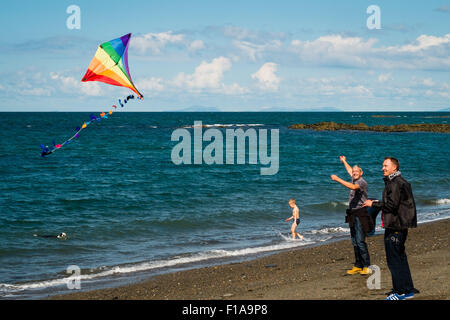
394 243
362 258
373 213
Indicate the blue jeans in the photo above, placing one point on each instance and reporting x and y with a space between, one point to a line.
394 243
362 258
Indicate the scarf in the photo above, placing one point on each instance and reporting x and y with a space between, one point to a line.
393 175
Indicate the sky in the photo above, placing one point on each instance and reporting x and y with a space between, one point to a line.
230 55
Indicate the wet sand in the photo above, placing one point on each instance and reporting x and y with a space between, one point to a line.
301 273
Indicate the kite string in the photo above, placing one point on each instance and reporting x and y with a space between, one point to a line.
47 151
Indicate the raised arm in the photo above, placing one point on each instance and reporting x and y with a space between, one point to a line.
352 186
347 166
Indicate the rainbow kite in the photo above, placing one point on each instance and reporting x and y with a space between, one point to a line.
109 65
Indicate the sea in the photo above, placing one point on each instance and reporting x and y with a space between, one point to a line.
130 212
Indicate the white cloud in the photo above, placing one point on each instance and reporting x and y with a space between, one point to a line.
208 75
359 91
266 77
423 42
68 82
251 44
425 52
334 50
37 92
254 50
336 86
151 84
91 88
238 32
428 82
385 77
401 91
435 90
196 45
155 42
71 85
27 82
233 89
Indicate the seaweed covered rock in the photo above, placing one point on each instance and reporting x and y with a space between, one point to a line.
333 126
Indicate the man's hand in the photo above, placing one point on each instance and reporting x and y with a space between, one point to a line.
334 177
343 159
368 203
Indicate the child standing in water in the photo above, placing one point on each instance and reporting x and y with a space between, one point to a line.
296 217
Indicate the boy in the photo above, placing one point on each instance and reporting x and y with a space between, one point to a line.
296 217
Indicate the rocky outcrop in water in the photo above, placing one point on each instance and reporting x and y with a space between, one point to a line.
333 126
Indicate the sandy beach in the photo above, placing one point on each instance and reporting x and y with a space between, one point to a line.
302 273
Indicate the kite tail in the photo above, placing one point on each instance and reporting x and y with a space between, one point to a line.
104 115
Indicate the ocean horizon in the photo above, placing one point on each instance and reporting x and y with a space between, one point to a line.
271 110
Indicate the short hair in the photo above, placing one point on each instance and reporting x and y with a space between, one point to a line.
357 167
394 161
292 200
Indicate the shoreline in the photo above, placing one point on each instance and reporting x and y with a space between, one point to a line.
316 272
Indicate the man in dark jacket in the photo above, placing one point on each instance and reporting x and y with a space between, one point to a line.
399 214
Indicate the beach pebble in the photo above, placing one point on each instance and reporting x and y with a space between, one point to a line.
226 295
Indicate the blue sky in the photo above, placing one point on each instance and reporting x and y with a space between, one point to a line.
230 55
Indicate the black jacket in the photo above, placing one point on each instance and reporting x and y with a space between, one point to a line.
365 219
398 205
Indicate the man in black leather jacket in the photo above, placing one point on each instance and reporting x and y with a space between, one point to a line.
399 213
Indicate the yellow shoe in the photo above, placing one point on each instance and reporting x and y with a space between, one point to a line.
355 270
365 271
